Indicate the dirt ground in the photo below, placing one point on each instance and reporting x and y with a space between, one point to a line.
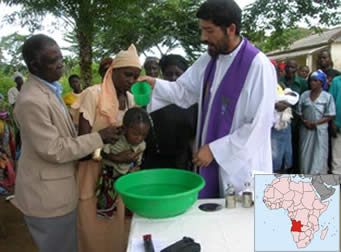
14 235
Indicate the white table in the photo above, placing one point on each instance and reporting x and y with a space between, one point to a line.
222 231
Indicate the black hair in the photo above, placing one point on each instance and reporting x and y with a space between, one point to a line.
73 76
323 51
290 59
104 66
173 59
222 13
135 116
33 46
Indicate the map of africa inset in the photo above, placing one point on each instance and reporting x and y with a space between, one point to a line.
297 213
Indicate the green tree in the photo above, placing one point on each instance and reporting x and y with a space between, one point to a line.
100 28
282 18
164 24
6 83
85 17
12 45
273 41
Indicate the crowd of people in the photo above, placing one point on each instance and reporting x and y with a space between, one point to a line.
232 113
306 127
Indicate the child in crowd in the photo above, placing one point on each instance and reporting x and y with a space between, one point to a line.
281 132
316 108
75 84
303 72
125 156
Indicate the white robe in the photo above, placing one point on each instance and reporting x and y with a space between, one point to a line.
12 94
247 148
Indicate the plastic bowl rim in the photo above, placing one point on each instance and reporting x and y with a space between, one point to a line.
176 195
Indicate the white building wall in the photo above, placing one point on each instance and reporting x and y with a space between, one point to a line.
335 51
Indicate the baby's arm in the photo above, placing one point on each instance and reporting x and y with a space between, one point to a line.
119 153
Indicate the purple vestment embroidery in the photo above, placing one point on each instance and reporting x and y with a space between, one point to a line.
222 109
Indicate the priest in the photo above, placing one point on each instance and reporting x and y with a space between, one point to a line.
235 86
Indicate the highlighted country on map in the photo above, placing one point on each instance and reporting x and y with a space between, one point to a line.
303 205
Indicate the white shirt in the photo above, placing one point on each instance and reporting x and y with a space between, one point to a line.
247 148
12 93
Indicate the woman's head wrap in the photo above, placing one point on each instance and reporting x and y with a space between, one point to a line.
17 74
281 66
151 59
321 76
108 102
3 114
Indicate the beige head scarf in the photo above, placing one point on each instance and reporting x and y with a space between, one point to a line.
108 103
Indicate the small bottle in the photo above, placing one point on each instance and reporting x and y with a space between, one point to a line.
247 195
230 198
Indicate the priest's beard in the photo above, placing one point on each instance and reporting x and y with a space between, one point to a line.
219 47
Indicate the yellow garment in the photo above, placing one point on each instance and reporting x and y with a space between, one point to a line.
87 105
70 98
280 90
2 126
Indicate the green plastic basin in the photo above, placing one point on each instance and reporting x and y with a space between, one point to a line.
141 91
159 193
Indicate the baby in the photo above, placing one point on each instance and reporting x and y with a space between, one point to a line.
282 118
122 157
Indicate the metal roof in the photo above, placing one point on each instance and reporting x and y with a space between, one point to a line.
311 41
297 53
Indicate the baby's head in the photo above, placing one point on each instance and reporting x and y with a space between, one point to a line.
136 125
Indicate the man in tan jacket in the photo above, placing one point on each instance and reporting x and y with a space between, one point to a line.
46 190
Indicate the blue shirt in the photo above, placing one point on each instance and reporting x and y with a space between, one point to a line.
56 88
335 91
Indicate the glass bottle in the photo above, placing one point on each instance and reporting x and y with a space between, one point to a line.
247 195
230 198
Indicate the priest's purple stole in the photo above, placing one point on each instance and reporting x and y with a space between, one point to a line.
222 108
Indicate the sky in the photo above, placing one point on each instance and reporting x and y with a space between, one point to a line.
49 30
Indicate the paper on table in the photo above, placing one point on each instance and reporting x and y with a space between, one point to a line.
137 245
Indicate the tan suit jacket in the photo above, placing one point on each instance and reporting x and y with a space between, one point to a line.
46 183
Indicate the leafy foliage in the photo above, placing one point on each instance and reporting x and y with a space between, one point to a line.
282 19
5 83
161 24
102 28
116 24
12 44
83 16
273 41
